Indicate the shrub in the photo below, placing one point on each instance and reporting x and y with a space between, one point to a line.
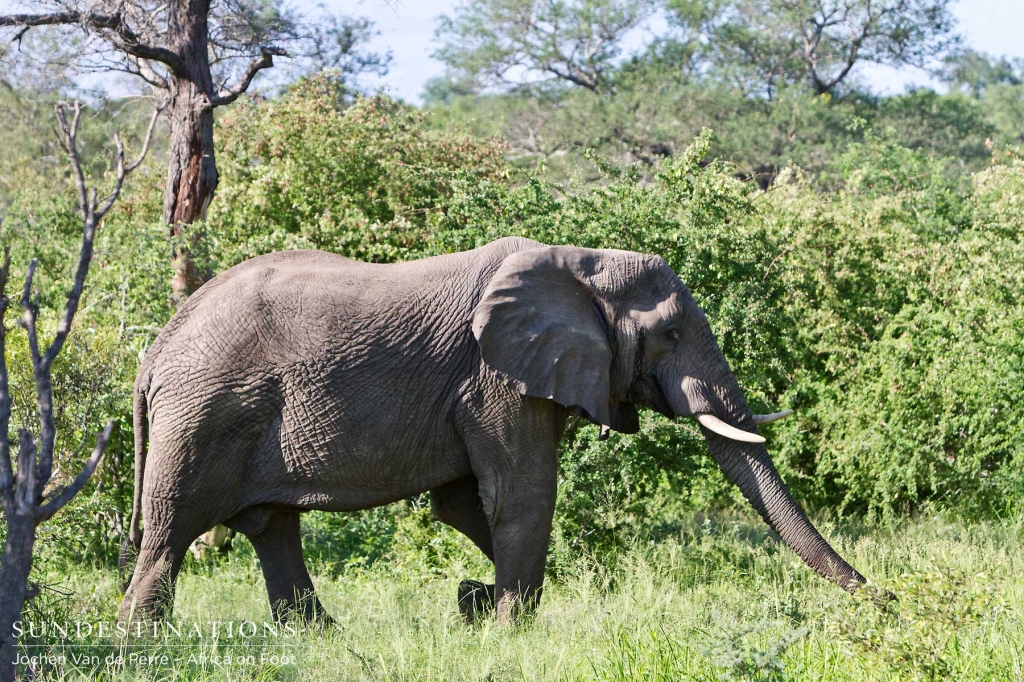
882 302
308 170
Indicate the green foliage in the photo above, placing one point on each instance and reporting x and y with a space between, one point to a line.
777 80
761 45
909 290
739 657
880 299
1004 105
817 43
655 113
918 634
34 158
340 542
499 42
639 651
307 171
951 125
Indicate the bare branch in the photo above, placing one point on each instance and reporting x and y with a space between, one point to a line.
142 69
44 393
67 493
125 37
29 312
91 215
122 169
68 142
19 35
149 136
119 146
53 19
6 471
266 61
84 258
25 485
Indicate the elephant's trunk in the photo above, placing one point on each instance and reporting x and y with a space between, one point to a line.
749 467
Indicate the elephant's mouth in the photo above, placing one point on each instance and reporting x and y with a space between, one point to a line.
687 399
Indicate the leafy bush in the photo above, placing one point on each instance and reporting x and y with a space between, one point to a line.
881 300
308 170
908 292
917 636
738 657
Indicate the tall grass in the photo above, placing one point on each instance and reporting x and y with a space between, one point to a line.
721 601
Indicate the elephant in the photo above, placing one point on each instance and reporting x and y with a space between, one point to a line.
304 380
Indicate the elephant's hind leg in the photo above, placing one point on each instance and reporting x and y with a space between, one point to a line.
458 504
279 548
150 595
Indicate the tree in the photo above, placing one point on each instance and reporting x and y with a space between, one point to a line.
200 55
23 492
998 83
819 42
502 42
974 72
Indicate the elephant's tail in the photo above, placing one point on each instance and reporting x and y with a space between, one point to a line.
133 542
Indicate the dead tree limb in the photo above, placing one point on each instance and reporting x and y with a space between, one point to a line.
23 494
202 55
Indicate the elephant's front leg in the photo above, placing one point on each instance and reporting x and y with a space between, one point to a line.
514 455
521 528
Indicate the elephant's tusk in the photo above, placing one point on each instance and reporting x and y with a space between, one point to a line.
713 423
769 418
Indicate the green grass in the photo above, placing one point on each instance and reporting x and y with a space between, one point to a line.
720 601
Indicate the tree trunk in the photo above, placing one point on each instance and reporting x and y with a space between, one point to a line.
192 171
15 566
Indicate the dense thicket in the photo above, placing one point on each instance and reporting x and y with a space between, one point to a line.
879 297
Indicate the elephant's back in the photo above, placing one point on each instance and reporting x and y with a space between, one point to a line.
317 308
329 275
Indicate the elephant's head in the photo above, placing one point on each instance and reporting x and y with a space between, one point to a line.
604 331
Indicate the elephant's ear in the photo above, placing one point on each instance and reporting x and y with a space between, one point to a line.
539 327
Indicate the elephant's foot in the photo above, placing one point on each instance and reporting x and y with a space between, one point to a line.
515 606
149 597
306 609
476 600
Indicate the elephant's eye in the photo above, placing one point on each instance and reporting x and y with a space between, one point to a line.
672 334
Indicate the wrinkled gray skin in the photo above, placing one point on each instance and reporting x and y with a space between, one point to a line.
304 380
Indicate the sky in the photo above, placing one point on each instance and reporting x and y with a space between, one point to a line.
406 27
